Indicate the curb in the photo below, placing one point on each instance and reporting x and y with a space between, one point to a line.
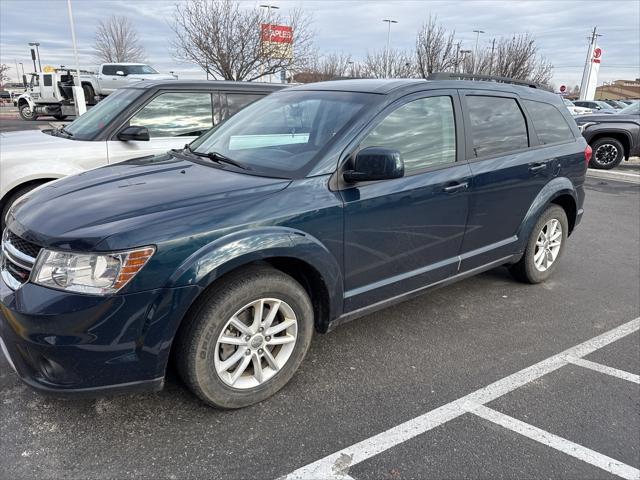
619 176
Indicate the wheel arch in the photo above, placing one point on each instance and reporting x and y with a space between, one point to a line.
622 136
293 252
559 191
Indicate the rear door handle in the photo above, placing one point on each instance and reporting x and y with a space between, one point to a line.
538 167
456 187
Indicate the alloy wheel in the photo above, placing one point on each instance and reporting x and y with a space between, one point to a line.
548 245
606 154
255 343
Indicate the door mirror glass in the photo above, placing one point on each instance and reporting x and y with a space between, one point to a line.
120 73
375 163
140 134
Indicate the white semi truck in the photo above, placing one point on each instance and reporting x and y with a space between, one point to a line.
51 92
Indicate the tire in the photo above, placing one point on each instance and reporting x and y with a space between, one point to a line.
89 94
527 270
6 205
26 113
607 153
59 117
200 355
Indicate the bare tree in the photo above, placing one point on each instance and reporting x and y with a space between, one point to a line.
516 57
226 40
320 68
436 50
397 64
4 76
117 41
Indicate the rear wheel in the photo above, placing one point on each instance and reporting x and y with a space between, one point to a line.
89 94
607 153
544 248
26 112
246 338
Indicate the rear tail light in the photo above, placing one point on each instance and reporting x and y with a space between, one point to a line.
587 155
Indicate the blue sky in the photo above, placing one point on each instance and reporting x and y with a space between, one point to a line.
351 26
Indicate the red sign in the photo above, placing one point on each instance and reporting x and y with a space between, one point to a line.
276 33
597 53
563 88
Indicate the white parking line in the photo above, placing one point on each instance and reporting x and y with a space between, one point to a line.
566 446
614 372
336 466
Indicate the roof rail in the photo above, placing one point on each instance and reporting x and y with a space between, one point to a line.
486 78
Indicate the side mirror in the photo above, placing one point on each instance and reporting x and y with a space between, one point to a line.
120 72
140 134
375 163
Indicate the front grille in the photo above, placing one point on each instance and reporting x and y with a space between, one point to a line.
17 259
25 247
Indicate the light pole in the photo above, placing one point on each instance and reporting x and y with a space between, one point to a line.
269 7
386 66
78 93
475 52
36 44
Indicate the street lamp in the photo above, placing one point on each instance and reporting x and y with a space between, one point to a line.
386 67
36 44
268 7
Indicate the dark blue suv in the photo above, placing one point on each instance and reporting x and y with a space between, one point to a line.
315 205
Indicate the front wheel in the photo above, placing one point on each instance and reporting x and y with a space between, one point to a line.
26 112
607 153
544 248
245 339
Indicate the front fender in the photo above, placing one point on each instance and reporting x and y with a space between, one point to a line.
555 188
229 252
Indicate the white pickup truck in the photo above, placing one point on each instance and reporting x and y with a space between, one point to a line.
112 76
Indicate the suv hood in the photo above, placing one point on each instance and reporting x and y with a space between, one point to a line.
135 202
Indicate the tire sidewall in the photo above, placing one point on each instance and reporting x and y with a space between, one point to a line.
533 274
23 115
604 141
214 316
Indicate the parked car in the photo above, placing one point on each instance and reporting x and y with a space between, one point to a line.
141 119
111 76
612 137
574 110
615 104
596 105
313 206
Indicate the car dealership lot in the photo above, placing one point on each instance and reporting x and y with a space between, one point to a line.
386 369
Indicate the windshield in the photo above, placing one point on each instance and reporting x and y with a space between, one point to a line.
604 104
88 125
283 133
633 109
138 69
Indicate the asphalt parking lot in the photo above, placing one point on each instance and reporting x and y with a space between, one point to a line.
487 378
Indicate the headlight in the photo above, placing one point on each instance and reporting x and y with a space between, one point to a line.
98 274
583 126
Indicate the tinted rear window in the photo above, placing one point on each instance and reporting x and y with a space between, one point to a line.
548 122
497 125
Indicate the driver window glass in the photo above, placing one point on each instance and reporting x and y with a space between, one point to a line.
423 131
47 80
111 69
176 115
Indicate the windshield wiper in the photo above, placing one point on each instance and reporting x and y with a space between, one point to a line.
219 158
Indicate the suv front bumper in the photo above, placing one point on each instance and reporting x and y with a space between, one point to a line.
61 342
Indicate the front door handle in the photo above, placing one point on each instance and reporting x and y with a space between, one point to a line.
456 187
538 167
